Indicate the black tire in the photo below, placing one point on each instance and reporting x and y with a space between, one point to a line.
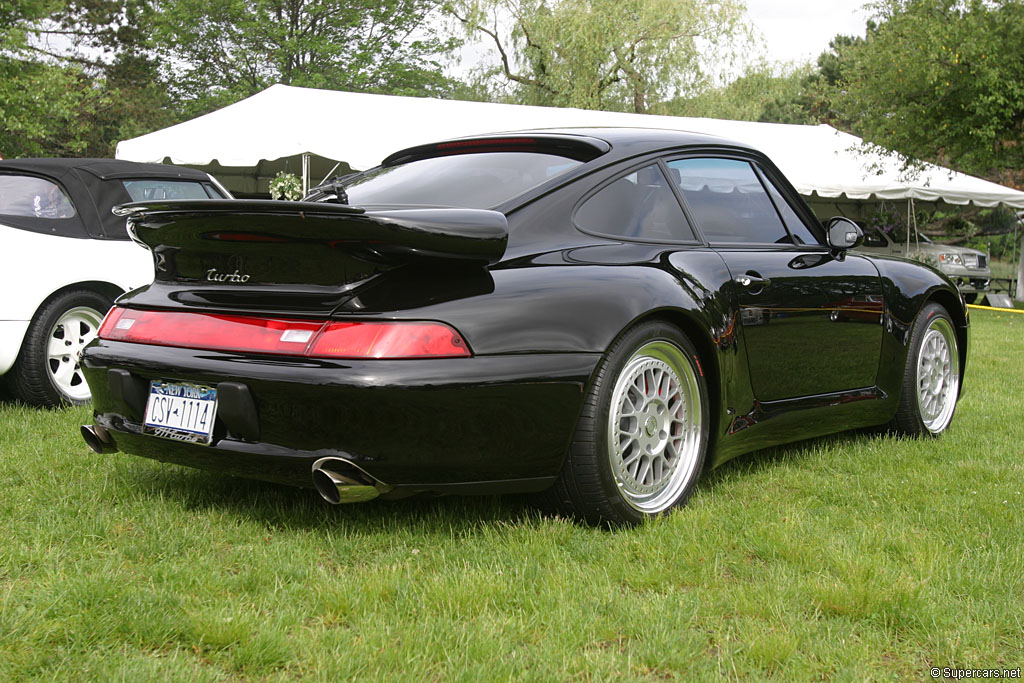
931 378
44 378
665 438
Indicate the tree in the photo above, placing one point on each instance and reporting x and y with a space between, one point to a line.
604 54
940 80
37 100
216 52
37 108
75 78
760 94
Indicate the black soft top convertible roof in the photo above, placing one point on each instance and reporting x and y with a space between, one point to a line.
92 187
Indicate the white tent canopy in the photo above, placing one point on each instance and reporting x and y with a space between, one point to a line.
276 128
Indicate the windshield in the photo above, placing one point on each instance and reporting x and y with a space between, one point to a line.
474 181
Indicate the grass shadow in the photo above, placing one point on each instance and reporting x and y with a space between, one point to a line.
288 507
765 458
6 399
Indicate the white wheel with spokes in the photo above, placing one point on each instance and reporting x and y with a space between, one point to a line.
68 336
931 383
48 370
641 440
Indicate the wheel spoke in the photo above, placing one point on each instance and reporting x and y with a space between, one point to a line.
643 471
64 372
55 348
72 333
627 462
657 469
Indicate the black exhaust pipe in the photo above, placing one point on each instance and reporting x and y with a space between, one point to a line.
98 439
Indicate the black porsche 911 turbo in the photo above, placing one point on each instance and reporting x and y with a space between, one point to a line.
596 313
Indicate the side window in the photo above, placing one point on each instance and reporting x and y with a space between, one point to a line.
212 192
873 238
797 228
728 201
22 195
639 206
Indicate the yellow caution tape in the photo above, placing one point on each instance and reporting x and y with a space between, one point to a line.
992 308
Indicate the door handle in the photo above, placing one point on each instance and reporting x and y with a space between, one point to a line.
752 281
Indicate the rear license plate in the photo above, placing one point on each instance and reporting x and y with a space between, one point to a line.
183 412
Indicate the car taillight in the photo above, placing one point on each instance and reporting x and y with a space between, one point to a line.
387 340
284 336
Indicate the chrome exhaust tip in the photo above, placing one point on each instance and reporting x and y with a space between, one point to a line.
339 481
98 439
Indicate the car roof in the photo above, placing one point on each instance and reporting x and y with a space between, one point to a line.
105 169
92 186
600 144
627 140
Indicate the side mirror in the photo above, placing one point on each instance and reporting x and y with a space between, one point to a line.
843 233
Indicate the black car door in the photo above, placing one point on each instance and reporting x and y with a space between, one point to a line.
811 321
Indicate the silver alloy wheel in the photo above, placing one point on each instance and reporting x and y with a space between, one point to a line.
74 329
938 375
654 425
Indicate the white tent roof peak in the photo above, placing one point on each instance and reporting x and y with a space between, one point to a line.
361 129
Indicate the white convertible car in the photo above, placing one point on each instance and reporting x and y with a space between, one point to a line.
64 258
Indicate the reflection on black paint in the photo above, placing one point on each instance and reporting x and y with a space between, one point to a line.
795 346
763 411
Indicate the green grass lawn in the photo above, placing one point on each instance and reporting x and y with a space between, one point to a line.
850 557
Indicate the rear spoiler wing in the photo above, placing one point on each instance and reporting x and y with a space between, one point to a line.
387 236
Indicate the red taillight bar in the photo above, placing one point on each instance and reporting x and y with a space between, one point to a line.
283 336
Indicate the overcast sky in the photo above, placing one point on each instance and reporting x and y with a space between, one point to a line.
800 30
793 30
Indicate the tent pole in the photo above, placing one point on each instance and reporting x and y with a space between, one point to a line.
1020 259
305 173
1013 258
329 173
910 208
917 235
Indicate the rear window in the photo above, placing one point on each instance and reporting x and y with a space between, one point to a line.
475 181
33 197
150 190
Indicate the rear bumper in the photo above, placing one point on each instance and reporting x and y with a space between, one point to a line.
481 424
